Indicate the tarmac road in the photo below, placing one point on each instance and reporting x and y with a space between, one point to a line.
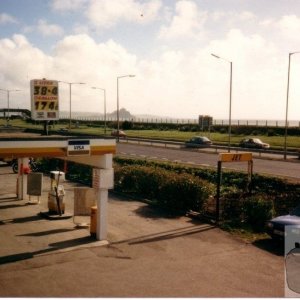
149 254
290 169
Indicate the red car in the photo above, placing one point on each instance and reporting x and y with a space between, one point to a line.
119 133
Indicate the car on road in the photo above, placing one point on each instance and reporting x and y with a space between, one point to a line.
254 143
276 227
119 133
198 142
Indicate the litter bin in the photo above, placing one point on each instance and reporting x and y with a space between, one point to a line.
93 226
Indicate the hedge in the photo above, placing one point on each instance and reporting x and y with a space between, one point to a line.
179 188
176 192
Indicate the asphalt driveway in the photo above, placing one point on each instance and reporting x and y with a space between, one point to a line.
149 254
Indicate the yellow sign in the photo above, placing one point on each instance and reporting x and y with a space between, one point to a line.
44 99
235 157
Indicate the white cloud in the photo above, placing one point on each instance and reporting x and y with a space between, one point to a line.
177 83
47 29
187 22
7 19
18 67
290 26
107 13
68 5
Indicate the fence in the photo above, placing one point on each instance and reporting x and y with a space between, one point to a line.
266 123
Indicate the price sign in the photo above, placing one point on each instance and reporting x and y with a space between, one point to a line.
235 157
44 99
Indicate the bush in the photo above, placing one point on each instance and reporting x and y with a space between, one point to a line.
257 210
169 190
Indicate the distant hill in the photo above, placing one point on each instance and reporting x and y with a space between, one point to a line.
123 114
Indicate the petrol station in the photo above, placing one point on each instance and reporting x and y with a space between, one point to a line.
91 151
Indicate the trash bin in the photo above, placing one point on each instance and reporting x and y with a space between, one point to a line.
84 199
93 226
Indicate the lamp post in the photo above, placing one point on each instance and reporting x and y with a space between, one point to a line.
118 119
70 91
287 104
104 93
8 91
230 99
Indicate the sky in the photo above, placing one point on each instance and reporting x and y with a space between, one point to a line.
166 44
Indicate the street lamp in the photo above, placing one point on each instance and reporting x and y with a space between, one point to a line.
287 103
70 89
104 91
118 119
8 91
230 99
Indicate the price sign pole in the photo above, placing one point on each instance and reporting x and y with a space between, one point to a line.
44 101
231 157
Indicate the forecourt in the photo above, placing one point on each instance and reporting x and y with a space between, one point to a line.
91 151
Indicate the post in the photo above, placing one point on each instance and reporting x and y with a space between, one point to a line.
118 121
287 105
250 172
70 114
230 100
104 111
219 178
7 108
102 203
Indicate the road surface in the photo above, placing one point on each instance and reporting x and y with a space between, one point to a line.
290 169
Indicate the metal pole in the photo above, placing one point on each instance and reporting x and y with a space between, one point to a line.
104 111
287 105
219 178
7 120
118 122
70 115
230 100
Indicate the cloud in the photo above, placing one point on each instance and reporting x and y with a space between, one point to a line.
176 83
68 5
290 26
47 29
108 13
7 19
20 63
187 22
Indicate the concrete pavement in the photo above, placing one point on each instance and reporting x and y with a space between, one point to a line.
149 254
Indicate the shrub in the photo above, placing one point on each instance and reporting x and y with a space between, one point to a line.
169 190
257 210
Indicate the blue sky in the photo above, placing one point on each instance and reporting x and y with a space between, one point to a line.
166 44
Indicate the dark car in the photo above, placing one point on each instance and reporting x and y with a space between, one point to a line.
119 133
276 227
254 143
198 142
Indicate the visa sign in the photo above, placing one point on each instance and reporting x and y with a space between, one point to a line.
79 147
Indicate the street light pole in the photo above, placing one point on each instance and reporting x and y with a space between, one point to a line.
230 99
118 117
104 94
70 95
287 104
8 91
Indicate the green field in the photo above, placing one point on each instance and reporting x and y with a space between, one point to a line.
276 142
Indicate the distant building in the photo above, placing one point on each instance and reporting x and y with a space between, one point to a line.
205 122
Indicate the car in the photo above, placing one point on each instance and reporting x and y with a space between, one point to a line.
276 227
198 142
119 133
254 143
